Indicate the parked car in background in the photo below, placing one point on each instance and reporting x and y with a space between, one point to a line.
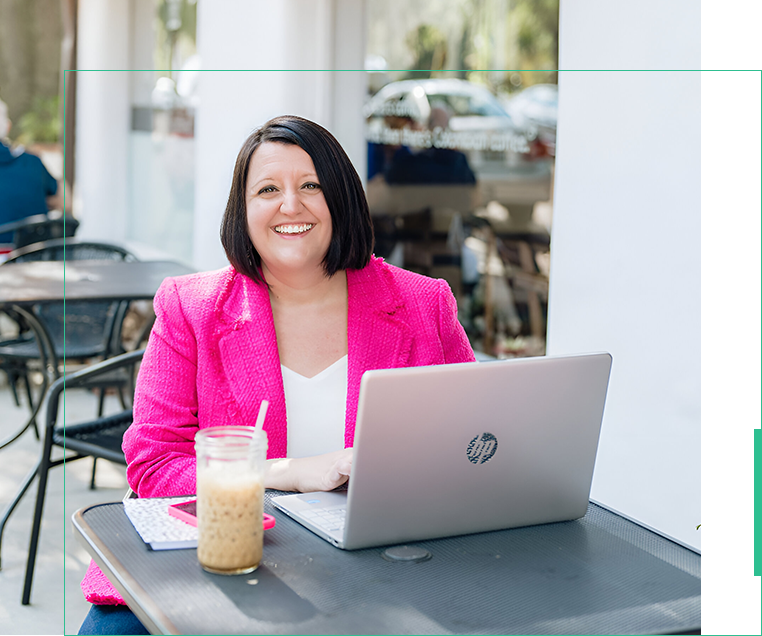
499 149
536 107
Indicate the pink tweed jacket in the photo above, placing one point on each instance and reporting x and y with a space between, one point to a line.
212 358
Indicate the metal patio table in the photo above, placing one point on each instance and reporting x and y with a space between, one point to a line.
35 282
602 574
23 285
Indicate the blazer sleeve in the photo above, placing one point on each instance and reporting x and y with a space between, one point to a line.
455 343
159 446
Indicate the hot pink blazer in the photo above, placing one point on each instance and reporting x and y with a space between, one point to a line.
212 358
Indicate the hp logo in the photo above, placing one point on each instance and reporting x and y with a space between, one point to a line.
481 448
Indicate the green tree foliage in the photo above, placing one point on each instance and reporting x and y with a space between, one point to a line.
533 25
30 56
42 124
467 35
175 27
429 47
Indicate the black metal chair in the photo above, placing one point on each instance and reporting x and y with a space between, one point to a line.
70 249
40 227
16 370
29 332
86 330
100 438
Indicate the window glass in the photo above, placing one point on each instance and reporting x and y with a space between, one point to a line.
162 136
461 162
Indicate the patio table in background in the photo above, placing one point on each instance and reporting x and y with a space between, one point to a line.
23 285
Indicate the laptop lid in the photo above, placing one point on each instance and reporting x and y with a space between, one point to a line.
455 449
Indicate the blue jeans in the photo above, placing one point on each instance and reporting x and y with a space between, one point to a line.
111 619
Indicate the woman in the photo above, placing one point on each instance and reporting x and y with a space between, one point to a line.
302 312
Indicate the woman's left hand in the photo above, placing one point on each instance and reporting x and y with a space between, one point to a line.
310 474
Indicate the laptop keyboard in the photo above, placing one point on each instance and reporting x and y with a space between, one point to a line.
327 519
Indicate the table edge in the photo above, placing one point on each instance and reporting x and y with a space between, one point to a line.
153 619
5 303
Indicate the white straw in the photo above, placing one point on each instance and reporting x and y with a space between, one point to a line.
261 415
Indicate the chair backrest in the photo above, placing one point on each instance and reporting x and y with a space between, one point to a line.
85 377
84 330
71 250
41 227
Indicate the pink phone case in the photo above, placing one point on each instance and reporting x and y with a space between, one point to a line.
187 512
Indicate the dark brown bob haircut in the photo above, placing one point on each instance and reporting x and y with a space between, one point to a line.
352 239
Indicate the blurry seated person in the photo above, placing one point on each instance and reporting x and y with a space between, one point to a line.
301 312
26 187
430 165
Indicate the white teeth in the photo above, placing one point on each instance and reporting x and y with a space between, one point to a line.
293 229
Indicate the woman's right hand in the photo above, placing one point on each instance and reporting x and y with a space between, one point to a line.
309 474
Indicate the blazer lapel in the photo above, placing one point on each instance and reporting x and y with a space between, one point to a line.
249 355
377 335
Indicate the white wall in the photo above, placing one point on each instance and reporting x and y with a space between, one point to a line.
625 277
259 34
625 268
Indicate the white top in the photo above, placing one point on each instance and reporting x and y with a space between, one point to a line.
316 410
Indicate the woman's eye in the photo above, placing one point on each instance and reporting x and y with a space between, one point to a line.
312 186
267 189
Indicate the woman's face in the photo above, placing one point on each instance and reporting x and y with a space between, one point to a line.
288 219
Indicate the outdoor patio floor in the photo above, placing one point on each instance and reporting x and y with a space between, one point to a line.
57 605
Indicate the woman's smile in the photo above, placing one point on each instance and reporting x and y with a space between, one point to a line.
293 228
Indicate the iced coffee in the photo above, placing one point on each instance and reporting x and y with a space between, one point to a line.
230 491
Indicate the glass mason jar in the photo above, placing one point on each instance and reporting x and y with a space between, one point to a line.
230 464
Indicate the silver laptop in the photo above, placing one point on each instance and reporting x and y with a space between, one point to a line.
454 449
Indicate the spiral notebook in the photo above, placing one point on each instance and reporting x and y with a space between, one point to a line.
156 527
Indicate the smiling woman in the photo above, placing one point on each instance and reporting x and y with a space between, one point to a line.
298 243
302 312
320 156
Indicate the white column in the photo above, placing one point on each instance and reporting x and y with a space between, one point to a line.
103 118
245 35
625 277
350 87
625 270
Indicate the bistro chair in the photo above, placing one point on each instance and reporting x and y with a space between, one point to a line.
87 329
101 437
40 227
70 249
16 369
29 331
